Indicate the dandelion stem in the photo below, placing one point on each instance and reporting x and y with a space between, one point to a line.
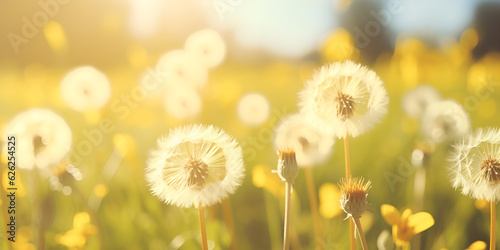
348 176
203 229
228 218
492 225
288 196
361 233
347 158
313 201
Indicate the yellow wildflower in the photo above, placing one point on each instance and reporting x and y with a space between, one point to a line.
405 225
77 237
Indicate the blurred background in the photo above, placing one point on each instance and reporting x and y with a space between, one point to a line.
270 49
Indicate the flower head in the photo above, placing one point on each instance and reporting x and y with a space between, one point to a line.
181 67
310 146
405 225
208 46
287 165
85 88
195 164
182 102
253 109
353 199
475 165
43 138
445 120
344 98
416 101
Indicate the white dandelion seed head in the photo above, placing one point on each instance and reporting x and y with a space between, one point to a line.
475 165
43 138
418 99
182 102
85 88
254 109
195 164
344 98
311 147
445 120
208 46
178 66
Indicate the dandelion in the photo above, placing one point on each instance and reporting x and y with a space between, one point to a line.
43 138
85 88
195 165
475 169
416 101
353 201
208 46
76 238
310 146
253 109
344 98
180 67
287 171
182 102
445 120
405 225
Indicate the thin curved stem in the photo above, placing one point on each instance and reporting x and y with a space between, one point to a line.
313 201
286 231
492 225
361 233
202 226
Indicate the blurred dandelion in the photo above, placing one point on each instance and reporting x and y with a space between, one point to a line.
182 102
406 225
195 165
475 169
206 45
353 201
445 120
477 245
311 148
43 138
344 98
85 88
181 67
416 101
253 109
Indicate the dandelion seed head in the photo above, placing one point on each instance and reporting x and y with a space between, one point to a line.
253 109
43 138
194 164
475 164
344 97
208 46
311 147
445 120
85 88
179 66
416 101
353 196
182 102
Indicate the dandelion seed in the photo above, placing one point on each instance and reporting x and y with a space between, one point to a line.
445 120
208 46
253 109
180 67
310 146
85 88
344 97
43 138
195 165
416 101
